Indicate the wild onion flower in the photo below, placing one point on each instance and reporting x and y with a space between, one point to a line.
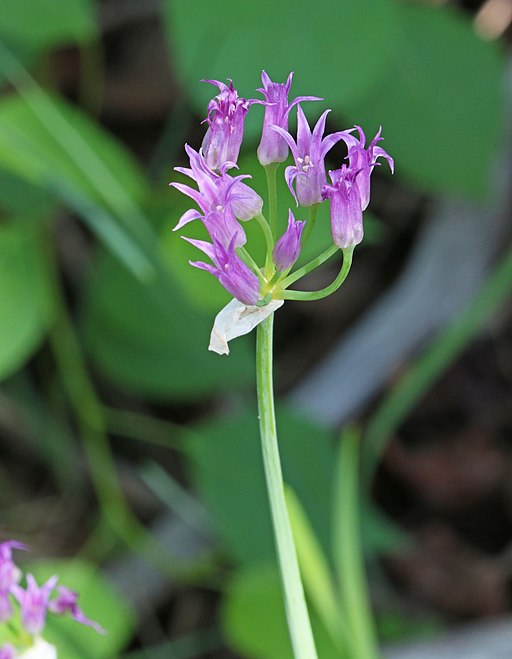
7 651
34 601
346 209
287 248
309 152
226 115
363 161
67 602
10 574
218 195
260 289
273 148
236 277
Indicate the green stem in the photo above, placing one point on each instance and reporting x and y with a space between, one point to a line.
248 260
310 225
324 292
348 551
269 240
295 603
271 172
312 265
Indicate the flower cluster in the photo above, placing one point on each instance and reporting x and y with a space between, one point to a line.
34 603
226 201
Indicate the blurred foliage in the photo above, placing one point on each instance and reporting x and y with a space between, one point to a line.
143 315
410 68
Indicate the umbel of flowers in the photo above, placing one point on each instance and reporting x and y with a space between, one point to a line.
225 202
24 609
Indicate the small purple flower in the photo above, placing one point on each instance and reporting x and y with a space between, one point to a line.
218 193
34 603
287 248
67 601
236 277
9 573
309 152
5 607
364 160
226 115
7 651
273 148
346 210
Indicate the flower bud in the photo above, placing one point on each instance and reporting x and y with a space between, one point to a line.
287 248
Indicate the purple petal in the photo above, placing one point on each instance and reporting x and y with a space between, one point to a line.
187 217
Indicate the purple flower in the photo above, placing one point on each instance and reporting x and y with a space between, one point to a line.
309 152
9 573
67 601
236 277
7 651
364 160
34 603
287 248
273 148
217 193
5 607
226 115
346 210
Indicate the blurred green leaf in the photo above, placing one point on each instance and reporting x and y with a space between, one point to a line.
48 143
99 602
228 471
44 23
316 573
145 337
440 102
347 547
18 196
254 620
333 47
25 301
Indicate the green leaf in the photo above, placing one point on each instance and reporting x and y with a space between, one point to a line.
50 144
98 600
332 46
25 302
254 620
44 23
18 196
440 102
316 574
146 338
227 468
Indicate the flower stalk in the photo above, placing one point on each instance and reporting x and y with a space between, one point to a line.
295 602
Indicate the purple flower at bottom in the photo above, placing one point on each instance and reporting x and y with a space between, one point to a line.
346 209
67 601
363 161
287 248
7 651
34 603
273 148
226 115
309 153
5 607
236 277
9 573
